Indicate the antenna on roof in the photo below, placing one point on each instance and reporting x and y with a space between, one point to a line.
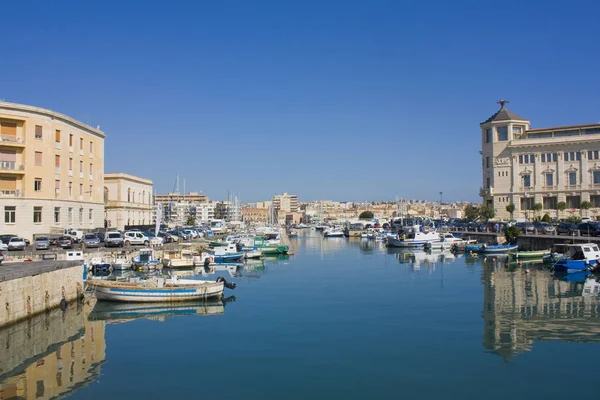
502 103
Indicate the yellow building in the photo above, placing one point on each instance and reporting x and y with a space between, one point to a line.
546 166
51 171
286 202
128 200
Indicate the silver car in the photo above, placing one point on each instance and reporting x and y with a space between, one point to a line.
91 241
41 243
16 243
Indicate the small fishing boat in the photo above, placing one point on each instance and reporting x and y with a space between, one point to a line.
417 237
274 250
145 260
579 257
156 290
447 242
180 258
254 253
498 248
529 255
99 266
121 262
333 233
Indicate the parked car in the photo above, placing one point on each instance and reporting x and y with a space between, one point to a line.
41 243
526 227
91 240
135 237
16 243
174 236
3 246
113 239
155 241
65 242
589 228
166 237
6 238
544 227
567 228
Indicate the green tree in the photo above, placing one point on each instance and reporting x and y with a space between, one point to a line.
560 206
511 209
546 218
537 207
486 212
191 221
366 215
471 211
511 233
575 219
585 205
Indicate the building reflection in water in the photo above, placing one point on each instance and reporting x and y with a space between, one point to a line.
423 258
51 355
520 308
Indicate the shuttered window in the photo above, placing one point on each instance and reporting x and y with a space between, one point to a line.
57 136
8 155
38 131
8 128
57 161
38 158
8 183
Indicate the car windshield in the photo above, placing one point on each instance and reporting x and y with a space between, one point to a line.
64 238
114 235
41 239
91 237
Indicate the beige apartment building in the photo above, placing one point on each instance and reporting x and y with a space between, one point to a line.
546 166
127 200
286 202
51 171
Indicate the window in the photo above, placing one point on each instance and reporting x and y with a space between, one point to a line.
527 180
57 188
38 158
595 200
487 183
487 162
549 157
81 166
543 157
90 214
526 159
573 156
70 188
593 155
37 215
572 178
57 136
71 140
81 144
56 215
488 135
550 203
37 184
527 203
596 177
91 147
517 130
502 133
57 161
70 215
10 214
71 164
38 132
554 157
91 192
549 180
91 169
81 215
81 189
573 201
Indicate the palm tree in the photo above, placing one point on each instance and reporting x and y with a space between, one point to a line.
561 206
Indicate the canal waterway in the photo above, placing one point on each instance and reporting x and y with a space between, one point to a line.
338 319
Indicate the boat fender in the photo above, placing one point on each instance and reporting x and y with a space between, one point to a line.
228 285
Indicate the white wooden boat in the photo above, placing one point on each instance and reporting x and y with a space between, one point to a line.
333 233
157 289
120 262
447 241
180 258
416 238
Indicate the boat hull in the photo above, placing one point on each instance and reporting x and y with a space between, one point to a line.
407 243
226 258
572 266
528 255
498 250
138 294
274 250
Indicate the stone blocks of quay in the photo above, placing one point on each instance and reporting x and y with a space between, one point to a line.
27 289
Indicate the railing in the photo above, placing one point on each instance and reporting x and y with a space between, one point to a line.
12 139
10 193
11 165
486 192
526 189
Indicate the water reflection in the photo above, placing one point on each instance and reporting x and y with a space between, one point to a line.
51 354
123 312
423 258
522 307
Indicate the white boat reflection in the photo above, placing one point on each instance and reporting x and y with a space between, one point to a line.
423 258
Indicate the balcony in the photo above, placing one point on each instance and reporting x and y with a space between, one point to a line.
11 193
486 192
12 141
572 187
526 189
57 145
11 167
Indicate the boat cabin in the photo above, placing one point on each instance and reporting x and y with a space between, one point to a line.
585 251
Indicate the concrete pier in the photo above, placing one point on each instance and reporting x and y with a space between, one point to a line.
29 288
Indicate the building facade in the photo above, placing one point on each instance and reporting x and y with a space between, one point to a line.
177 207
557 168
51 172
255 215
286 202
127 200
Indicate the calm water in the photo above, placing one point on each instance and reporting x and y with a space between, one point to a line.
339 319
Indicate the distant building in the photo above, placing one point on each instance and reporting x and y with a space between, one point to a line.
546 166
51 171
255 215
127 200
286 202
177 207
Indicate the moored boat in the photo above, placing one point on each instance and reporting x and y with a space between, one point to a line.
529 255
145 259
274 250
498 248
579 257
417 237
157 290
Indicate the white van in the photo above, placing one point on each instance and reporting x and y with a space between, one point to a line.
135 237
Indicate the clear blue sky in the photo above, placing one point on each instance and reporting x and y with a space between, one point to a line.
342 100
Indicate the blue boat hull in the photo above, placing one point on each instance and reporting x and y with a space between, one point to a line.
227 258
570 266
